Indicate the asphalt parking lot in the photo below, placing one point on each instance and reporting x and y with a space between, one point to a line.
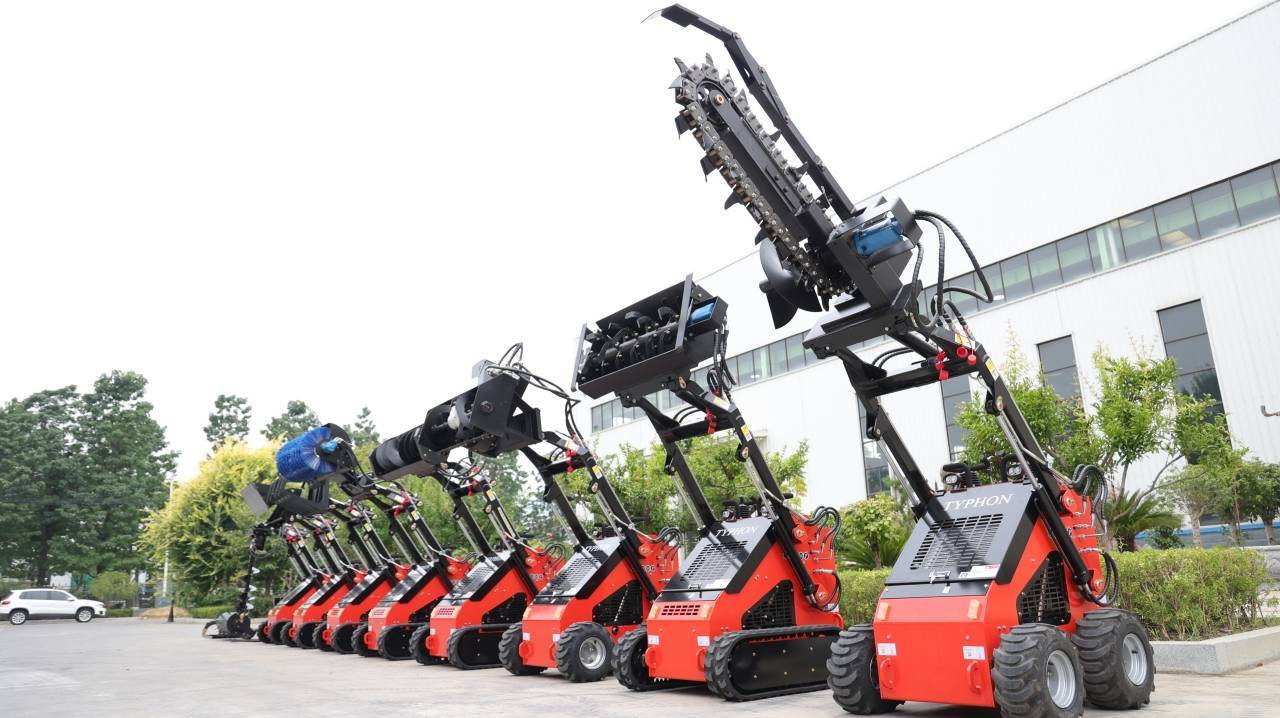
128 667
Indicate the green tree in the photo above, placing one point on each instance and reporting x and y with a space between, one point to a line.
228 420
77 474
297 419
204 530
1261 494
874 532
1136 512
128 462
363 432
1195 490
114 586
651 495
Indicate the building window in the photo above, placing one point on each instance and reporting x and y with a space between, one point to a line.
1017 278
1105 246
874 468
1073 257
1255 194
795 352
1139 233
1044 268
1176 222
955 392
596 423
1215 209
1058 364
1186 341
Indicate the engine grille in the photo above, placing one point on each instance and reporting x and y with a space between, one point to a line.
475 577
1044 599
711 562
957 543
775 609
680 610
509 611
446 612
578 568
620 608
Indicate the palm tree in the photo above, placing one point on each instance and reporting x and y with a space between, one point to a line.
1136 513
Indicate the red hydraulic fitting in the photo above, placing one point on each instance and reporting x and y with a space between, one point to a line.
711 422
568 460
962 351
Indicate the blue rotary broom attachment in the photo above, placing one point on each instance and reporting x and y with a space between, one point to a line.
313 455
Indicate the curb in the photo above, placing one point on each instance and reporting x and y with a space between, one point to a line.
1219 656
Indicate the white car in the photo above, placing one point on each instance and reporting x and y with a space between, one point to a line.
27 603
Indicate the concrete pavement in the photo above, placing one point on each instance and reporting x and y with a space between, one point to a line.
128 667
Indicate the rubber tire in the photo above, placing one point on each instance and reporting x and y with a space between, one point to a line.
852 673
279 632
341 638
358 645
418 646
509 652
84 615
384 637
569 645
1018 673
261 633
628 660
304 637
285 638
18 616
317 638
1099 638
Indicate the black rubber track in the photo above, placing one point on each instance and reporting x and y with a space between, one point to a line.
317 638
509 652
285 638
262 634
453 648
567 652
1099 639
341 638
719 664
629 667
357 642
418 646
392 633
852 673
1018 673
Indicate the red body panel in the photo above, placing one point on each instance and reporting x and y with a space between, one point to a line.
940 649
681 631
284 611
446 619
543 623
356 611
315 612
401 613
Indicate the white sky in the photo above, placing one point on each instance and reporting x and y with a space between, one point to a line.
351 203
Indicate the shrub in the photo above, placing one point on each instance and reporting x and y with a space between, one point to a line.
208 611
1190 594
859 591
1180 594
119 613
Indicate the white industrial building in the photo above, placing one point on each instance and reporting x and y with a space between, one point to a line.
1142 212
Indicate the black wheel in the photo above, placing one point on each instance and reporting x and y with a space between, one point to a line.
341 638
1115 653
18 616
288 635
584 652
394 643
628 660
358 642
263 633
509 652
852 673
1037 674
305 635
418 646
84 615
279 632
315 637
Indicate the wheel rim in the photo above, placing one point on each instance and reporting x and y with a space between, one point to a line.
84 615
19 618
1060 678
1135 659
592 653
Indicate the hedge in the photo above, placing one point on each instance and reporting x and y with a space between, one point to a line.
1180 594
120 613
208 611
